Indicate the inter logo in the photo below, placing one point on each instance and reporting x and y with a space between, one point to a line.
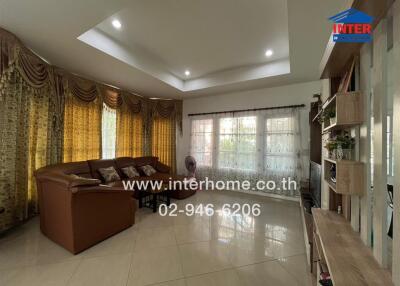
352 26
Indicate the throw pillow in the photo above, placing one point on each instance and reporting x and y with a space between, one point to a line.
130 172
148 170
81 181
109 174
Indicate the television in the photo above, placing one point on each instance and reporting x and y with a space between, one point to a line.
315 183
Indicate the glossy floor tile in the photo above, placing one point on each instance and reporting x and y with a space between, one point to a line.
182 250
204 257
155 265
267 273
102 271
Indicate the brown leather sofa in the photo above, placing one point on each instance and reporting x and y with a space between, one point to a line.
77 213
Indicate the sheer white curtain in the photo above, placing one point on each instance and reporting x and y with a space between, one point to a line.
237 143
282 151
260 145
201 141
108 128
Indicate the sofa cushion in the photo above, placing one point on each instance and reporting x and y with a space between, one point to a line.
130 172
143 161
123 162
82 181
109 174
160 167
148 170
95 165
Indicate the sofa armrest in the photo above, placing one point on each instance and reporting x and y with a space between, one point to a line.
162 168
99 189
98 214
67 180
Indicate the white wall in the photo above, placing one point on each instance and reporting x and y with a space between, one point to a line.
267 97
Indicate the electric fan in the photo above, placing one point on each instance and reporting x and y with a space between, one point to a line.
190 163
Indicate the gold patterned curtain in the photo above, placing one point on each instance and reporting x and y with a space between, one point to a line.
82 129
48 116
163 140
130 133
26 133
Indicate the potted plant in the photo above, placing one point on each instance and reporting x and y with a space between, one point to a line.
345 144
331 116
328 115
331 146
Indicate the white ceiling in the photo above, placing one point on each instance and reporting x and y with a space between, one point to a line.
205 36
222 42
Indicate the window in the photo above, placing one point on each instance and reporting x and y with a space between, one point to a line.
248 145
280 152
108 127
237 143
201 141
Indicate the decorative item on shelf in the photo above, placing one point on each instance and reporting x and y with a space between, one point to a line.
340 147
331 146
339 152
328 115
345 144
332 172
325 279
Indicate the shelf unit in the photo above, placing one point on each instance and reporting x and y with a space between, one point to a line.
341 251
349 176
348 107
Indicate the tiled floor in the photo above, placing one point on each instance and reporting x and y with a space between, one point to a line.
171 251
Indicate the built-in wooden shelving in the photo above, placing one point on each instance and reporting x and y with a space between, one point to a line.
348 260
349 110
349 176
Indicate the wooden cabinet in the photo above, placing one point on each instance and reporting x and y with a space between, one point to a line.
348 107
349 176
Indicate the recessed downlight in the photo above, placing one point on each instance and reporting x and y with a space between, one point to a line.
117 24
187 72
269 53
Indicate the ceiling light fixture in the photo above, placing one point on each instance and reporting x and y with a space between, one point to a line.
187 72
116 24
269 53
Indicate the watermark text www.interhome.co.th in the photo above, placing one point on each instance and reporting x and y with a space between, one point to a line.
191 184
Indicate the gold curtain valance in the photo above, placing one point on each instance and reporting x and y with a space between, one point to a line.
167 109
111 97
37 73
164 108
83 89
134 102
32 69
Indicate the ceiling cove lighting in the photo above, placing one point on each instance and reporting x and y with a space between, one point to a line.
269 53
187 73
117 24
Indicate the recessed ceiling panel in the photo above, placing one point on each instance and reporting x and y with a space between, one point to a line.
201 37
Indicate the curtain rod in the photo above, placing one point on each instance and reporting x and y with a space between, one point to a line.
244 110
